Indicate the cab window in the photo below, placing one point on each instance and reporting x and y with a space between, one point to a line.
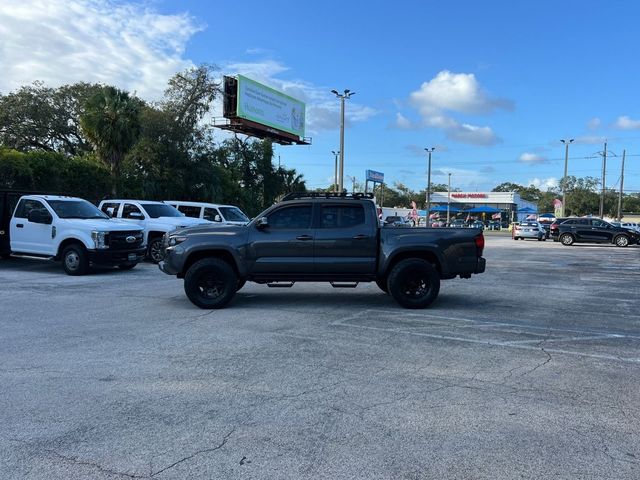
341 216
210 214
128 209
25 206
189 210
110 208
298 217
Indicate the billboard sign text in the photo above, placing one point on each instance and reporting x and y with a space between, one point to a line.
373 176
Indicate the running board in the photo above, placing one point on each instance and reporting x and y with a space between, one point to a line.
280 284
343 285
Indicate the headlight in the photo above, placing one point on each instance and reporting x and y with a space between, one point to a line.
175 240
100 239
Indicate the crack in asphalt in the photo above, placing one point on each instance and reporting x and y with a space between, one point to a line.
99 467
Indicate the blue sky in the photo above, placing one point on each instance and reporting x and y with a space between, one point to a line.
492 85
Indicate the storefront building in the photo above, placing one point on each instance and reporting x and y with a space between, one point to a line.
510 204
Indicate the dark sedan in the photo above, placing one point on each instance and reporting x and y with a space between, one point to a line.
594 230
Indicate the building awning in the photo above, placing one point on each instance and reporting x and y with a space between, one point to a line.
484 209
527 210
443 208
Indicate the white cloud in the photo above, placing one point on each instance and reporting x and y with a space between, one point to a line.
543 183
323 108
403 122
626 123
594 123
533 158
456 92
65 41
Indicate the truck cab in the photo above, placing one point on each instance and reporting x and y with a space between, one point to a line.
74 231
155 218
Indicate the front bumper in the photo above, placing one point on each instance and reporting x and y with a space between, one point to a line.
117 257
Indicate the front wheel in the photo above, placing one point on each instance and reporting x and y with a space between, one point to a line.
621 241
210 283
414 283
154 250
566 239
74 260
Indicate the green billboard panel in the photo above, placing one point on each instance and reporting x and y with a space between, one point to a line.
266 106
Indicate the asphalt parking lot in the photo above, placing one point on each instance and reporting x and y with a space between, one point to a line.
530 370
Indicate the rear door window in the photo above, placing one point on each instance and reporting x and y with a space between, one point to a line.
341 216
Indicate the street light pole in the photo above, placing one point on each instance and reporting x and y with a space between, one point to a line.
564 179
448 198
342 96
335 170
429 150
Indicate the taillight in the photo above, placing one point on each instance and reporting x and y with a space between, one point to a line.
479 244
554 225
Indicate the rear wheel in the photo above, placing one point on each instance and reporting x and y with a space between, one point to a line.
210 283
414 283
567 239
74 260
154 251
621 241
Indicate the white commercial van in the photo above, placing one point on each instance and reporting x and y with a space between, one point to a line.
156 218
225 214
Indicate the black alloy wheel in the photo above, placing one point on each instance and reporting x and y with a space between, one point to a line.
210 283
567 239
414 283
621 241
154 251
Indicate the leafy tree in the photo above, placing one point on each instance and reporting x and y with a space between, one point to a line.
38 117
111 122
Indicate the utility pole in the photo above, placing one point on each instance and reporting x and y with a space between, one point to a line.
335 170
604 174
353 183
429 150
564 182
624 153
342 96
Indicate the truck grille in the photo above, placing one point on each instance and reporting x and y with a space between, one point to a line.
118 240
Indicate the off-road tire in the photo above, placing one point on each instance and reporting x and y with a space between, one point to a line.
74 260
414 283
210 283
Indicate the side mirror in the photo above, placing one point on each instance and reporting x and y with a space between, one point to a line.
217 218
262 223
136 215
40 215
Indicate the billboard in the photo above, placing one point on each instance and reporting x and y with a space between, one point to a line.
261 104
373 176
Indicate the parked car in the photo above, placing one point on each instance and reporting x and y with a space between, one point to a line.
529 229
68 229
156 219
493 225
553 228
631 225
595 230
309 238
458 223
397 221
476 224
223 214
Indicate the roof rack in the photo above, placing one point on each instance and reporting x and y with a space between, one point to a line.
343 195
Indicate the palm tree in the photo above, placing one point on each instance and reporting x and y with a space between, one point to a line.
111 122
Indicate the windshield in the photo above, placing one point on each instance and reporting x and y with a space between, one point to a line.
233 214
156 210
76 209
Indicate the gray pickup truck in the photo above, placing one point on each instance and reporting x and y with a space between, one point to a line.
313 237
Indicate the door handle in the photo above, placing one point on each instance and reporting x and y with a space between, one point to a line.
19 225
360 237
304 237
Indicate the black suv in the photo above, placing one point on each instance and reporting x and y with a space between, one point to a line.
594 230
553 228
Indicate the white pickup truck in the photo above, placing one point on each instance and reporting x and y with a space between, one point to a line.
156 218
74 231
